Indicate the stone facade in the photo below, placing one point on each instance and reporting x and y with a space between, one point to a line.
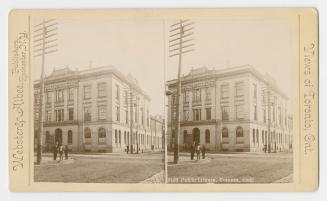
91 110
227 110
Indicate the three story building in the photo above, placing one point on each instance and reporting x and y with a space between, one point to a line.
234 109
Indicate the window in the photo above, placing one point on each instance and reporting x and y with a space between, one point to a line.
225 113
225 91
255 112
197 95
48 115
59 115
117 92
239 132
117 113
239 89
147 118
102 87
102 133
87 114
70 137
126 118
49 97
264 115
60 95
254 91
262 137
208 93
207 133
126 98
142 116
186 97
208 113
36 99
116 137
119 137
257 134
71 113
87 132
71 94
225 132
87 91
253 136
239 111
102 112
196 114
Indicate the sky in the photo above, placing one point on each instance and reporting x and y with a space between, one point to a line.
140 48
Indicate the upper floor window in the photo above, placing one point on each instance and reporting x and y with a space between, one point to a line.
208 113
225 113
197 95
186 97
60 95
87 91
71 114
196 114
239 111
117 113
117 92
49 97
87 114
102 87
60 115
48 115
208 93
224 91
71 94
239 89
254 91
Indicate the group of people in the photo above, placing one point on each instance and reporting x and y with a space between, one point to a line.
61 149
196 148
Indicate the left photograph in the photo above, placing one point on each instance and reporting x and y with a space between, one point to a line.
98 101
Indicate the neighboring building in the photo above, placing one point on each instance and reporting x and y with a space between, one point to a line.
157 125
227 110
90 110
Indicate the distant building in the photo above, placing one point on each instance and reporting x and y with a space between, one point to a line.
228 110
90 110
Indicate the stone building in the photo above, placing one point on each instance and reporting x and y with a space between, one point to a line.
228 110
92 110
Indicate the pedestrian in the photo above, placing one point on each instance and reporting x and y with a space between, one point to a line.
55 151
203 151
61 152
192 149
66 152
127 149
198 152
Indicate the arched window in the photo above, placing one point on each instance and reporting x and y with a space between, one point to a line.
184 136
207 132
253 136
116 138
70 137
225 132
263 137
102 133
119 137
87 132
239 132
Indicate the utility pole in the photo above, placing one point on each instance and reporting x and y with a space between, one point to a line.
44 43
179 43
130 101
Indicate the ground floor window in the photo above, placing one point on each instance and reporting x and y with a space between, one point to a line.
239 132
225 132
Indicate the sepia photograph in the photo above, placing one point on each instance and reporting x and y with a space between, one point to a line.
98 110
230 94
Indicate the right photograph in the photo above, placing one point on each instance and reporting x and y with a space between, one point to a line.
229 101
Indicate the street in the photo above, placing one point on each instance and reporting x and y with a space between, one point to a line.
232 168
101 168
